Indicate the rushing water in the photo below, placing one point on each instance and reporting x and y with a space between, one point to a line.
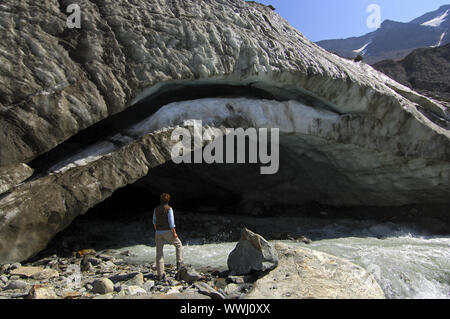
406 263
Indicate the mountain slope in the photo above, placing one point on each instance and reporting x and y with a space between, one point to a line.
395 40
424 70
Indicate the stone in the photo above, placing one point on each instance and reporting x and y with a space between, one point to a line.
181 296
87 267
338 118
220 283
14 266
26 272
252 254
71 295
148 285
45 261
136 280
174 290
188 274
16 284
124 276
307 274
45 274
242 279
107 266
173 282
102 286
105 296
132 290
207 290
4 269
94 261
106 257
85 252
4 279
232 290
304 240
41 292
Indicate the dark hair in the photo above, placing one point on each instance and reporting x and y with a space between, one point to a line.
165 198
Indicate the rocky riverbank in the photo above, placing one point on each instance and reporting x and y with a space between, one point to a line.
253 266
99 275
88 274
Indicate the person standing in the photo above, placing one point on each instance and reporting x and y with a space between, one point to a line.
164 224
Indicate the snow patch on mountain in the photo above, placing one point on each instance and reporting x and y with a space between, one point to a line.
362 49
436 22
440 40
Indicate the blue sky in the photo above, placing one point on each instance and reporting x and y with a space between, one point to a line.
334 19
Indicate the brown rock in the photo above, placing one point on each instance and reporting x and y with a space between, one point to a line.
71 295
41 292
45 274
26 272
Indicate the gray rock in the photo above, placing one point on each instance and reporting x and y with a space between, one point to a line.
242 279
45 274
107 266
86 266
148 285
220 283
4 268
106 257
102 286
232 290
117 287
188 274
44 261
136 280
172 282
307 274
105 296
137 296
252 254
133 290
207 290
16 284
4 279
123 276
94 261
14 266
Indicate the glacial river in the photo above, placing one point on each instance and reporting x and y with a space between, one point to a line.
405 262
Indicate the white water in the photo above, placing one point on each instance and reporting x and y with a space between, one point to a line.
405 263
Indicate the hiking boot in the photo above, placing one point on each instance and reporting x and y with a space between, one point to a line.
161 277
179 266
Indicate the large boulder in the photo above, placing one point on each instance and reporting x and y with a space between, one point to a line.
252 254
307 274
103 286
92 110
